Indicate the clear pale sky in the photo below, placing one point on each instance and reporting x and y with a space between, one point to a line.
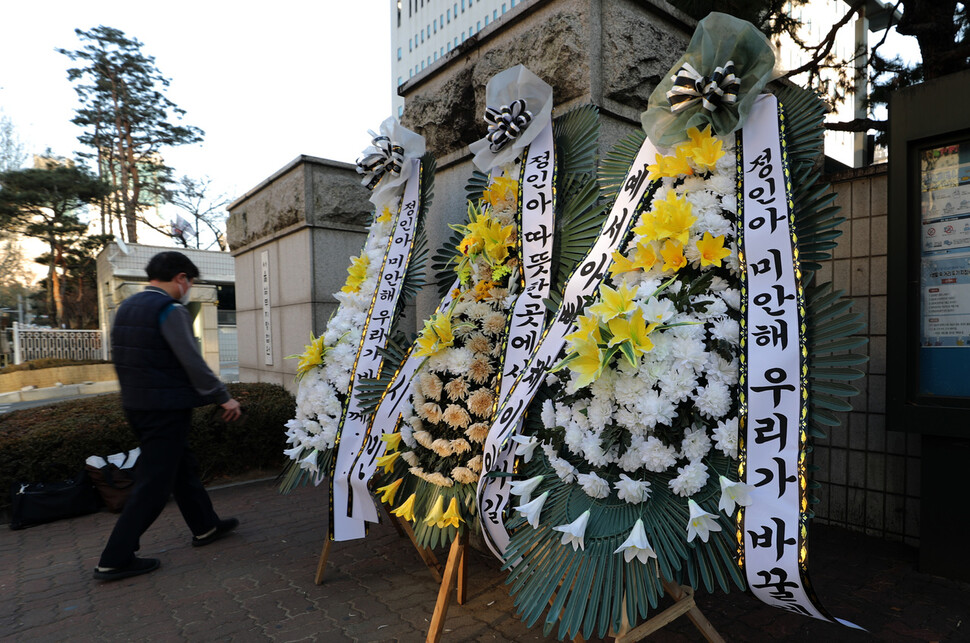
265 81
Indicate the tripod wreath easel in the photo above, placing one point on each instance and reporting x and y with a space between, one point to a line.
453 577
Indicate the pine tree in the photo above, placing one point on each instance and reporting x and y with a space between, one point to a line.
127 122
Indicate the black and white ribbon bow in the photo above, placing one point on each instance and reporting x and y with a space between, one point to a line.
506 123
382 158
690 87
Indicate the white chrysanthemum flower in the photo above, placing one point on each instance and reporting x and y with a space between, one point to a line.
678 383
657 456
696 443
714 400
600 411
630 490
548 414
732 297
721 370
726 437
653 409
727 329
721 184
690 352
592 449
690 479
593 485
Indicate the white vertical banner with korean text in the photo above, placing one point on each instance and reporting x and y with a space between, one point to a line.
347 505
774 372
267 309
493 491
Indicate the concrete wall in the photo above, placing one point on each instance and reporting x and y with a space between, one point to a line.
611 53
310 218
870 476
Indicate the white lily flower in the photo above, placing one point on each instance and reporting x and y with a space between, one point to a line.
532 509
733 493
574 532
636 545
700 523
526 445
293 453
525 488
310 462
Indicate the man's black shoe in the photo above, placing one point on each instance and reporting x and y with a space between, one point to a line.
217 532
136 567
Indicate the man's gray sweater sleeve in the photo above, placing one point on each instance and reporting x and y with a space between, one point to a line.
176 328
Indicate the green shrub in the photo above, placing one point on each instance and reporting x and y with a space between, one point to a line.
49 362
51 442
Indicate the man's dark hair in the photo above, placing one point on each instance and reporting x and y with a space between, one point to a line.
166 265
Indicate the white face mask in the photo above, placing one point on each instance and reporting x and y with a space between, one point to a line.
184 296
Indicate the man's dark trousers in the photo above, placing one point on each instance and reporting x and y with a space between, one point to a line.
166 466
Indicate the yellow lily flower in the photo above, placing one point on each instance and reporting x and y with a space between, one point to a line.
672 218
633 330
388 491
312 356
588 363
673 255
671 165
621 264
504 189
497 241
406 510
387 461
645 256
435 335
712 250
356 273
437 512
452 517
385 215
613 302
587 330
706 151
392 440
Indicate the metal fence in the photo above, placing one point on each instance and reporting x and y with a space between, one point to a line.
36 342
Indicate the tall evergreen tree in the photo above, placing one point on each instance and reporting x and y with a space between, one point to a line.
45 204
127 122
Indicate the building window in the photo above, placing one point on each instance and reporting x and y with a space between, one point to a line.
503 8
422 36
422 64
436 55
399 53
448 15
456 41
449 47
486 21
442 52
463 6
513 4
441 21
478 25
429 60
463 36
400 111
410 73
400 81
495 14
435 26
410 45
456 11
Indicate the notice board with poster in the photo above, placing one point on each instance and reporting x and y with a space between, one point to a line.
928 325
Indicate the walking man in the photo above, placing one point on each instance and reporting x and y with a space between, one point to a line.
162 377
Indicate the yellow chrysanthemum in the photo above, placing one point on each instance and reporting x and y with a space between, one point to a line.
613 302
436 335
392 440
356 273
633 331
712 250
387 461
452 517
437 512
673 256
503 190
482 288
312 356
386 215
388 491
406 510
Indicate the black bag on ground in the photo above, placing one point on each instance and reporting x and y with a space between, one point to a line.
34 503
113 477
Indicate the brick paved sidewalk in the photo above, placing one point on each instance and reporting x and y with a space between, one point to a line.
257 585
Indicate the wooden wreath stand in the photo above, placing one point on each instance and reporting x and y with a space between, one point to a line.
683 604
454 574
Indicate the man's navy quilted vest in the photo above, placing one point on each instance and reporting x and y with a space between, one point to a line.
150 375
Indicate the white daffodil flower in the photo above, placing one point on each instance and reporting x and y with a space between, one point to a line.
525 488
574 532
733 493
532 509
636 545
700 523
526 445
